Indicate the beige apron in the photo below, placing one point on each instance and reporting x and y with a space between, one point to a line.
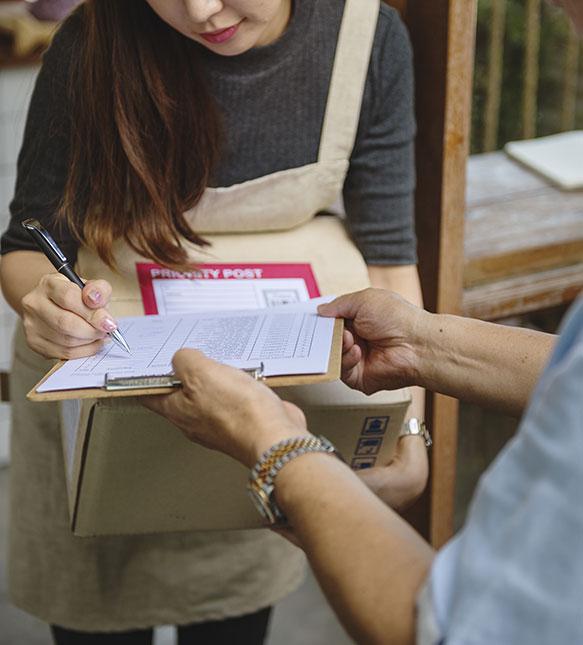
120 583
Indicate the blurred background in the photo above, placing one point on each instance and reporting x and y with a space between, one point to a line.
527 56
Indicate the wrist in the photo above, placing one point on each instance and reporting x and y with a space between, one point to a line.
270 436
432 348
422 331
261 485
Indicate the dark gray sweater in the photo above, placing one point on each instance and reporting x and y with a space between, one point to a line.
273 100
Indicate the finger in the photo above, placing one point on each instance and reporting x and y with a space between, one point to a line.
351 358
189 366
53 350
200 374
61 326
96 294
68 296
346 306
192 366
347 341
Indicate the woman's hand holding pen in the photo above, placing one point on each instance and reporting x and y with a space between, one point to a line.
62 321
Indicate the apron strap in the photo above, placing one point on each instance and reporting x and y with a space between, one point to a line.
349 74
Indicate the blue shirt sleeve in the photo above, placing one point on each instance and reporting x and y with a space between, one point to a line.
515 572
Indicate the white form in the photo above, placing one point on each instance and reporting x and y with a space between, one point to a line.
184 296
288 340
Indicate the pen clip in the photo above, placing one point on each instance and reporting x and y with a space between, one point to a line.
45 241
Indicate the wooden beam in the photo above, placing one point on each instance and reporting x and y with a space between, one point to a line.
494 83
531 68
517 295
570 81
443 36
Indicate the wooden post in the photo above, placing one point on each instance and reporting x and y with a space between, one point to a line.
494 82
443 37
570 80
531 68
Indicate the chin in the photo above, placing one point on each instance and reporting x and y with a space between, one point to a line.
229 51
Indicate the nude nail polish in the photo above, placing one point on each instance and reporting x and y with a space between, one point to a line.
108 325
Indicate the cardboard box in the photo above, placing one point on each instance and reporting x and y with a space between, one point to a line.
131 472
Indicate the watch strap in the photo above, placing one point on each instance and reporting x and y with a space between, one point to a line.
261 483
414 427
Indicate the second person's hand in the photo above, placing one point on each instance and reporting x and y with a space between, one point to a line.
62 321
379 352
224 409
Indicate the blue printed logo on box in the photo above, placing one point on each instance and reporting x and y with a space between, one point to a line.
375 425
369 446
362 463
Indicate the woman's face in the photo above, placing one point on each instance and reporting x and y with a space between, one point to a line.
228 27
575 10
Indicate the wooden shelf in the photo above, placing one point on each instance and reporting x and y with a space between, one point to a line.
523 247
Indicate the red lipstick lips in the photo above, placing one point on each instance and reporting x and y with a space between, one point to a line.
220 36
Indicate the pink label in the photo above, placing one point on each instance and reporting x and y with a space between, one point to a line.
147 273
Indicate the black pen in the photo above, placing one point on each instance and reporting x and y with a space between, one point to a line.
57 258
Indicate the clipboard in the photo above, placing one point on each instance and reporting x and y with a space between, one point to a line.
147 386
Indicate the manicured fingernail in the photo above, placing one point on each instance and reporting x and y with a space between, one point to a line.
108 325
95 297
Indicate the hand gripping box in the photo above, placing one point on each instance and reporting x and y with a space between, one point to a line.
131 472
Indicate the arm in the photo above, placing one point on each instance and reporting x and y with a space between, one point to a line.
406 478
393 344
373 587
374 584
403 280
492 365
20 273
58 323
378 198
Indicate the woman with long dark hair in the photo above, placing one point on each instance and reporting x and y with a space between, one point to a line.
164 130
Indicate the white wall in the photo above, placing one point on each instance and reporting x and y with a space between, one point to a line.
15 89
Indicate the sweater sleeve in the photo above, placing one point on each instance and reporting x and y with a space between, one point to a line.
43 160
378 190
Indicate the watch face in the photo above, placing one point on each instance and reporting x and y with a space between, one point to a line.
261 503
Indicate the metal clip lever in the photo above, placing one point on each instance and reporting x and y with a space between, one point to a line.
257 373
118 383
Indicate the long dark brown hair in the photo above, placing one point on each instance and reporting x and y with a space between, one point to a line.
145 133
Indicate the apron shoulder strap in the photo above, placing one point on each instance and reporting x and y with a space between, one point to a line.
349 74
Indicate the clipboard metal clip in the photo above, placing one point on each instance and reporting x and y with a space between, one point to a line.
118 383
257 373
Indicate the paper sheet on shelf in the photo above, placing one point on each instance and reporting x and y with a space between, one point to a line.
291 339
556 157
